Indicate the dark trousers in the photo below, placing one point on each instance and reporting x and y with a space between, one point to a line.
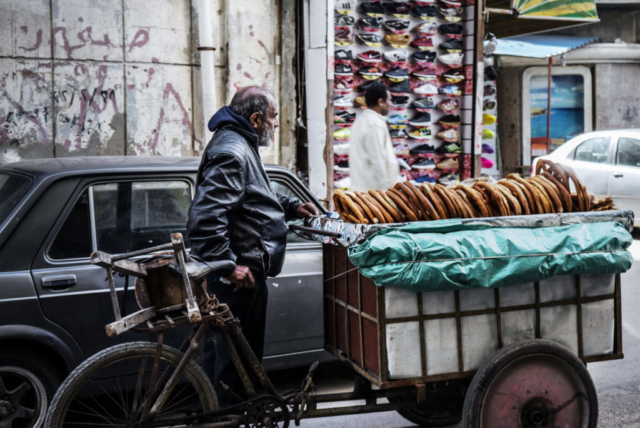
250 307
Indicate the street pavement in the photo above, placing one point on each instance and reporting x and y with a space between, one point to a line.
617 382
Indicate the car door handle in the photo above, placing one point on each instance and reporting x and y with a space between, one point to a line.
618 174
58 281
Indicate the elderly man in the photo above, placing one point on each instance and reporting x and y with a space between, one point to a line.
236 216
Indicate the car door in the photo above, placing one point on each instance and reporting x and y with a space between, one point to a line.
624 176
114 216
590 159
295 312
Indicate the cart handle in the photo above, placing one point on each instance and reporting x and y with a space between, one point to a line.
297 227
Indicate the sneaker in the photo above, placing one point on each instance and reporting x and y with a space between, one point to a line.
342 134
397 134
452 3
397 55
343 55
486 163
344 117
360 102
342 166
371 24
401 101
398 40
489 90
370 73
489 105
421 134
427 29
343 86
423 104
449 163
450 120
370 56
453 76
425 179
424 164
345 6
450 29
488 134
342 102
448 179
425 74
451 14
427 13
486 148
343 38
343 70
425 2
403 164
422 149
365 86
397 25
400 87
449 149
374 9
449 105
488 119
452 45
397 74
423 43
452 59
369 40
398 121
422 120
424 56
450 135
399 10
343 21
341 148
426 89
451 90
490 73
343 183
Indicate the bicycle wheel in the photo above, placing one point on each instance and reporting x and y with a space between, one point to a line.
110 389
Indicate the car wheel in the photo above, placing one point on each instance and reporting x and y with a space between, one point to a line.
27 384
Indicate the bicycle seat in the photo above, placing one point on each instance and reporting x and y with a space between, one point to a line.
198 270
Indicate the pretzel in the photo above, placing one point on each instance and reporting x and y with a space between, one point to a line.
564 194
394 195
451 194
388 218
413 198
393 204
514 205
469 206
553 196
376 212
382 202
446 202
499 202
545 199
465 206
539 208
368 214
434 205
475 199
517 193
426 204
347 208
407 201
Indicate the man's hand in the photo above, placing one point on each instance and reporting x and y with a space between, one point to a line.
241 277
306 210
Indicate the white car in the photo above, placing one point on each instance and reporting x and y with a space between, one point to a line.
607 163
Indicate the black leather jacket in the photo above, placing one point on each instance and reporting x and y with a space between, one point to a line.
235 215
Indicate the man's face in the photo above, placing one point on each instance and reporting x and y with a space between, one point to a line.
385 106
268 126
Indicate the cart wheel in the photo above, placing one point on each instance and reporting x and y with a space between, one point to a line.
442 408
531 384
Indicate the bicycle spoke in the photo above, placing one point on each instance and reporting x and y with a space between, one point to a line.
174 396
112 399
122 399
192 395
94 412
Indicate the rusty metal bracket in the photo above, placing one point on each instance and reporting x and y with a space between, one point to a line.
422 392
181 255
130 321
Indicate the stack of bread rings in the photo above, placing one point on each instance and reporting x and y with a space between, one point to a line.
553 189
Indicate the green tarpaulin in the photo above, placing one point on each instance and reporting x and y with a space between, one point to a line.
447 255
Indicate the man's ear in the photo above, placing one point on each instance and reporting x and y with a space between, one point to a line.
256 120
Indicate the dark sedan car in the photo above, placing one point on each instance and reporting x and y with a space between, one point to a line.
54 304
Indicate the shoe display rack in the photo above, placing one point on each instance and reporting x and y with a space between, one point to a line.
422 51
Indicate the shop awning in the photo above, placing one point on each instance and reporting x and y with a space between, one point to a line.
541 46
508 18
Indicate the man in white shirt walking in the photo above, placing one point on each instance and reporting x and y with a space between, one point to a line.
372 161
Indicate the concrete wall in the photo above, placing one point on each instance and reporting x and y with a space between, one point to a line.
114 77
615 107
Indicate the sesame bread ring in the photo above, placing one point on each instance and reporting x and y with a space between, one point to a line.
441 200
553 196
377 209
474 198
532 190
429 205
497 200
584 203
429 192
464 204
413 198
514 205
486 199
391 211
377 215
386 197
347 209
517 193
407 202
528 196
446 201
367 213
470 208
545 199
394 195
451 194
564 194
550 167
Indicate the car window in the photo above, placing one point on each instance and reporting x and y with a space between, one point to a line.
285 189
128 216
593 150
628 152
12 188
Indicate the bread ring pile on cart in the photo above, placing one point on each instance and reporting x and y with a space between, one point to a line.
554 189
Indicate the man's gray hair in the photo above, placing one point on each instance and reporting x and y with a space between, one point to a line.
251 99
